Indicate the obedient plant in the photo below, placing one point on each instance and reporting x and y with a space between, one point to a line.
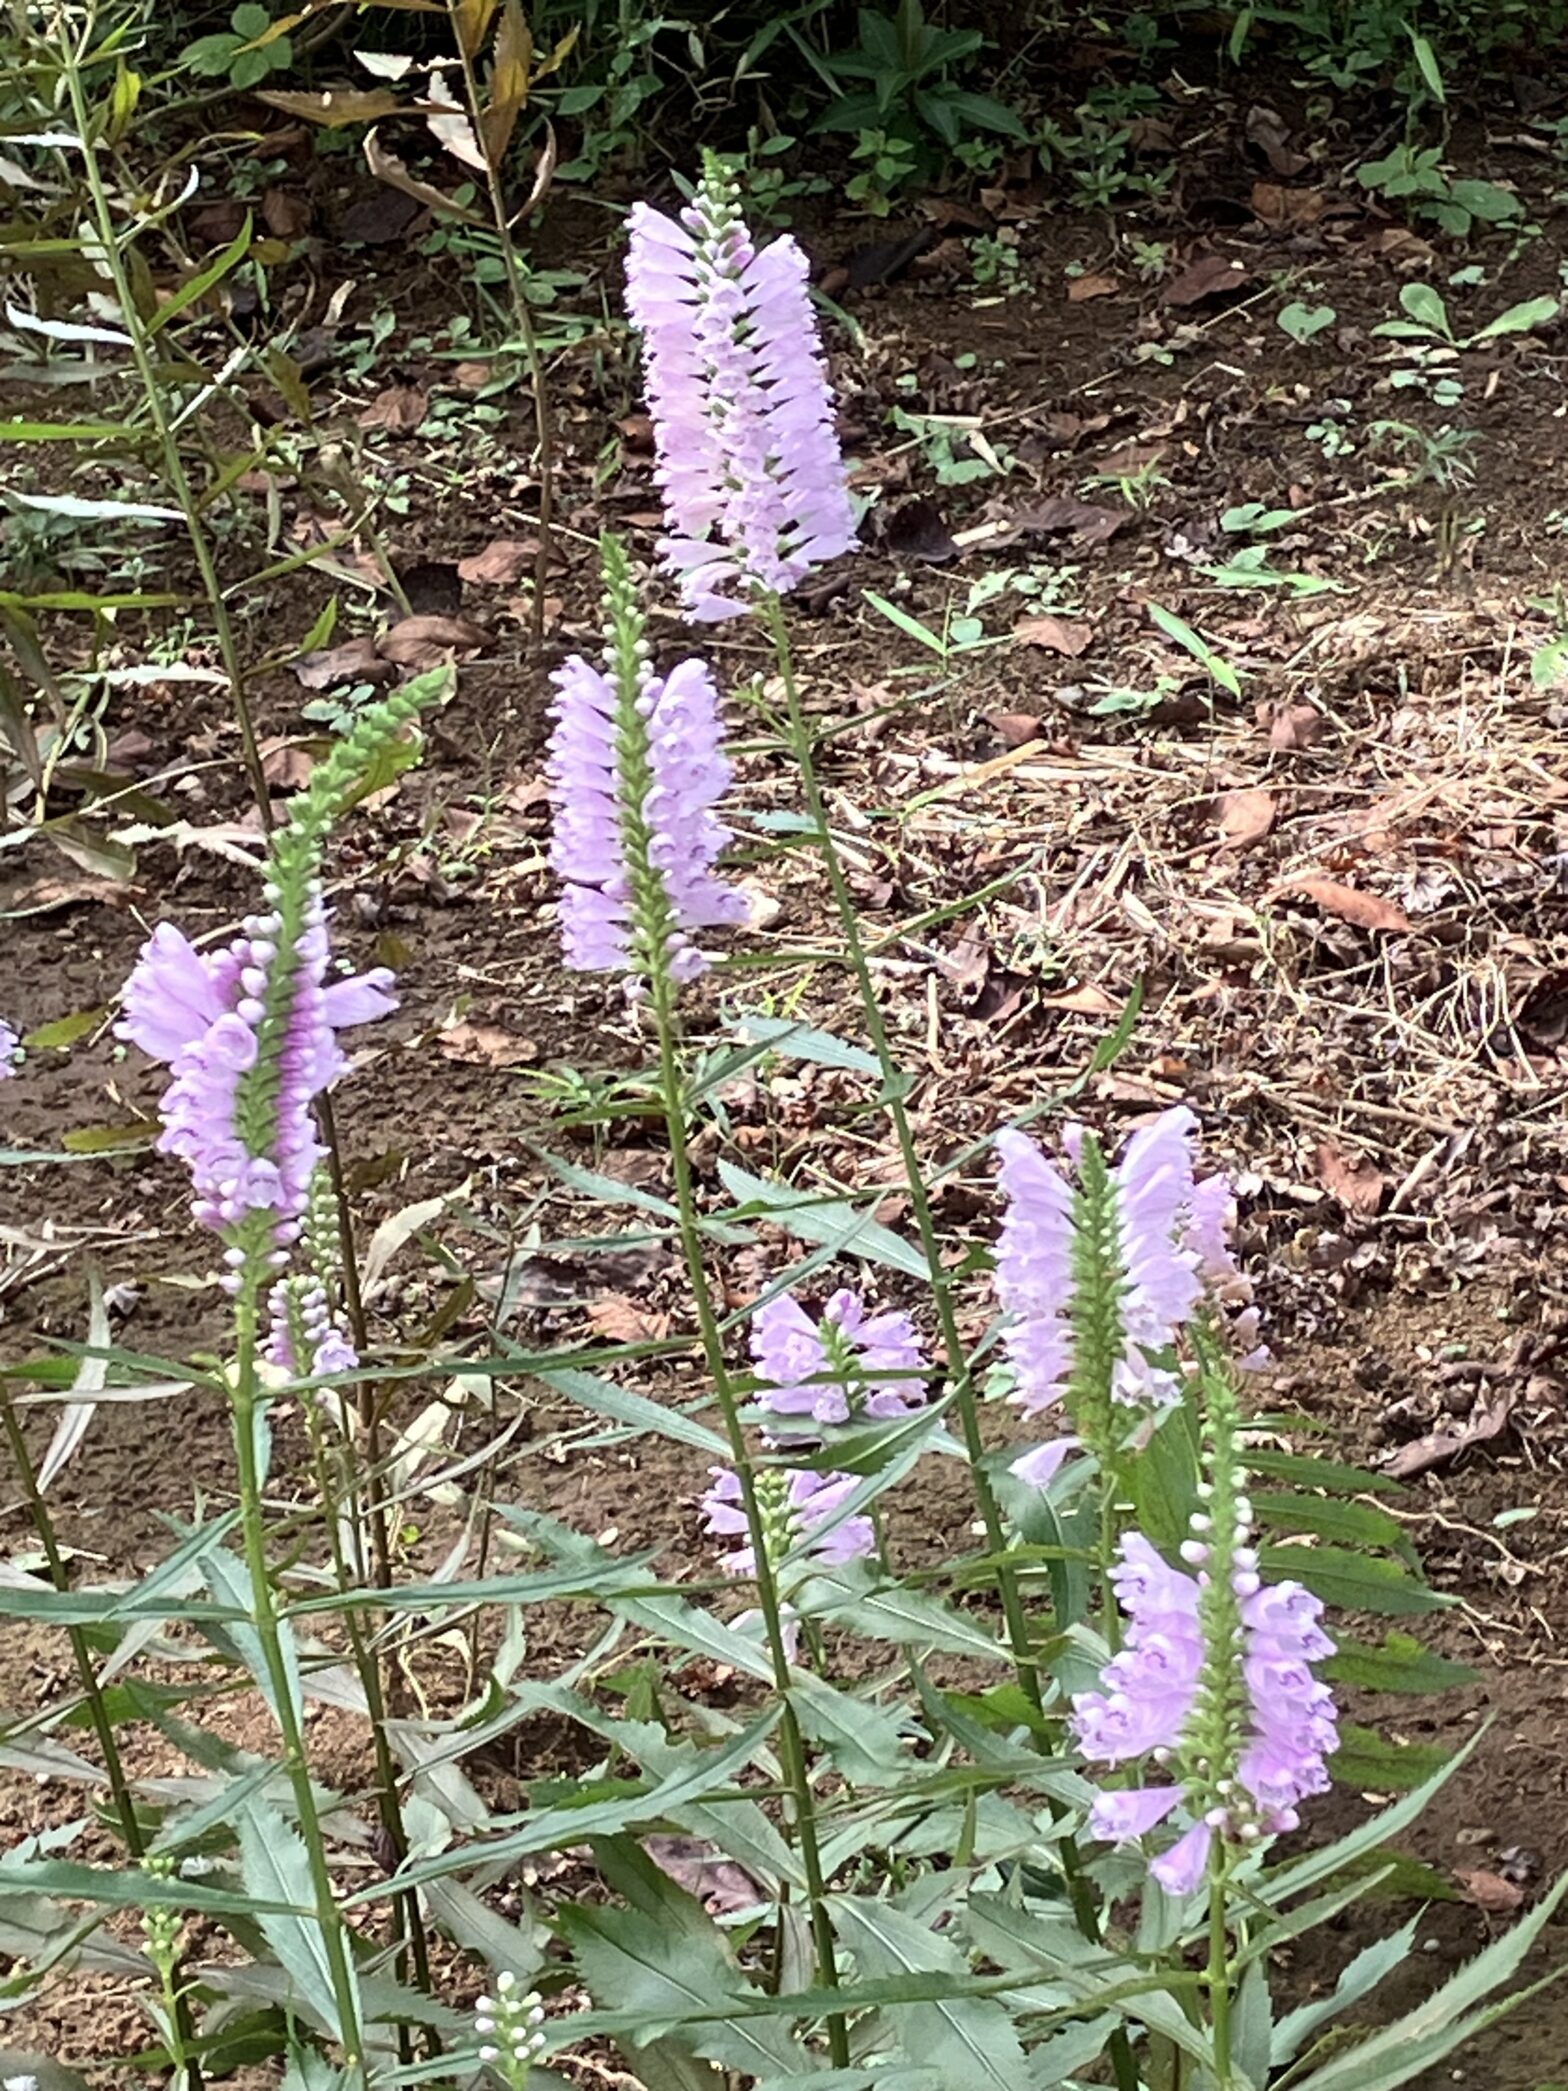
1101 1276
748 461
636 769
1214 1684
849 1367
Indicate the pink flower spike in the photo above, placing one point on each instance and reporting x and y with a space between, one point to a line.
748 460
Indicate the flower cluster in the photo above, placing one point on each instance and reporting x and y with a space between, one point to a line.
800 1511
753 482
1100 1276
249 1033
10 1050
635 774
508 2025
849 1367
1215 1681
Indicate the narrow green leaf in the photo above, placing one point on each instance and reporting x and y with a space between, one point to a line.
1353 1582
1439 2024
665 1960
276 1870
1359 1978
849 1597
706 1776
604 1398
970 2041
199 284
824 1220
794 1040
1401 1664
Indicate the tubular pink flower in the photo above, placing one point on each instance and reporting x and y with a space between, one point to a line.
854 1366
748 461
300 1304
796 1506
634 784
1150 1699
249 1035
1166 1243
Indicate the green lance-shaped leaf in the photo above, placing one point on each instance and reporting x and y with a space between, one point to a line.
665 1958
276 1870
968 2040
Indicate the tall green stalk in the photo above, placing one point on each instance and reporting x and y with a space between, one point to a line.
960 1373
111 254
792 1747
120 1794
249 1411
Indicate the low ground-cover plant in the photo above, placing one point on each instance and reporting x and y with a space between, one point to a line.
1023 1818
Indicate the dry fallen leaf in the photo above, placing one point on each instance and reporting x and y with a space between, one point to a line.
1082 288
1070 636
487 1045
1266 130
1297 726
722 1887
470 376
285 213
356 660
1489 1891
1357 1183
1015 729
1092 522
503 561
1487 1420
425 642
1082 1001
285 764
1365 910
1284 208
1206 276
1245 817
398 409
620 1320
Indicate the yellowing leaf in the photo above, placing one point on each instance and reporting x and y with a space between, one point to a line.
509 81
336 106
472 19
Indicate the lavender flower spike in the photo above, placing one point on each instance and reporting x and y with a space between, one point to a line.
1215 1681
1102 1276
796 1507
852 1366
753 482
636 769
10 1051
249 1033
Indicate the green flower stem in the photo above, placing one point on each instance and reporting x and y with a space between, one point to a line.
349 1576
111 253
249 1408
181 2033
1217 1974
792 1746
522 314
965 1401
